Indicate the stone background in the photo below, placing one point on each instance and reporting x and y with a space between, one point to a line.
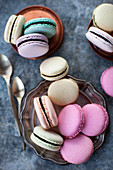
84 64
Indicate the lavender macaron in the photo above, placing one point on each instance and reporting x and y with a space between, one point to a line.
32 45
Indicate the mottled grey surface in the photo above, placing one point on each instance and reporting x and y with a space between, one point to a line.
84 64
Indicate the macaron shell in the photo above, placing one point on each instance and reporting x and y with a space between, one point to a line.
40 114
39 20
103 17
63 92
8 28
94 35
77 150
51 119
71 120
50 110
57 77
18 28
33 36
45 26
49 136
32 48
107 81
51 68
96 119
44 144
48 30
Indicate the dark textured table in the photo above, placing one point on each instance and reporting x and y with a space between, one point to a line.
84 64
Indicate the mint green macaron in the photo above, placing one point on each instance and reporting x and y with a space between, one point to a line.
44 26
46 139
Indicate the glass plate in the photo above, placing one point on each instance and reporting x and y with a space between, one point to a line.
98 51
88 94
36 11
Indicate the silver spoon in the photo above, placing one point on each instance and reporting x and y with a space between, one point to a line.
6 72
18 91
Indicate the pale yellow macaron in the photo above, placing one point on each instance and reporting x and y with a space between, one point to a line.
103 17
63 92
14 28
54 68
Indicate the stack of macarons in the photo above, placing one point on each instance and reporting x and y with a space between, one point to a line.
30 38
100 34
76 124
54 68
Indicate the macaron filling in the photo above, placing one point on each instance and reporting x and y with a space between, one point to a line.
55 74
44 140
41 104
12 28
47 23
31 40
102 37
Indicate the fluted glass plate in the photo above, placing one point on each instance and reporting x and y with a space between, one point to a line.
87 94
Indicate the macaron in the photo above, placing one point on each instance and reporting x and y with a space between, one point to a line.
96 119
103 17
46 139
71 120
77 150
14 28
32 45
100 38
107 81
44 26
54 68
45 112
63 91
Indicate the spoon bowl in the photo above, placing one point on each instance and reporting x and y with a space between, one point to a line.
18 91
18 88
5 66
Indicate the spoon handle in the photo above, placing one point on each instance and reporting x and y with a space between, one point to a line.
13 105
19 106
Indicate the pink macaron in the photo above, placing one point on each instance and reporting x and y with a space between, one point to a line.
100 38
107 81
77 150
71 120
96 119
45 112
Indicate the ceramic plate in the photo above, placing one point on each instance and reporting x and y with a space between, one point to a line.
88 94
98 51
36 11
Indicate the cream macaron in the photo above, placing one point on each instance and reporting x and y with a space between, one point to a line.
54 68
46 139
14 28
103 17
63 92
